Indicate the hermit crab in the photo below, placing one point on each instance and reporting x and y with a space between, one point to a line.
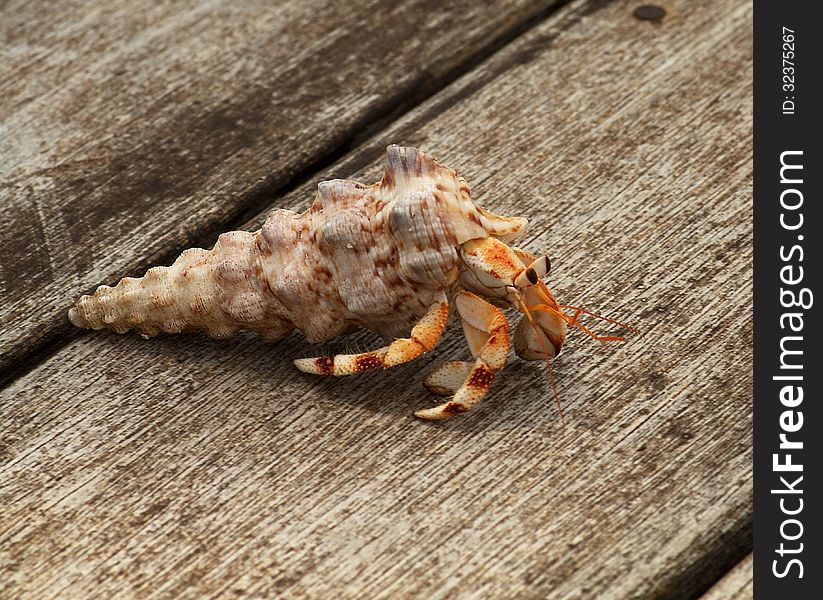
391 257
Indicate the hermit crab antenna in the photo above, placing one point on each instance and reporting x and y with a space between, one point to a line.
579 310
572 319
551 381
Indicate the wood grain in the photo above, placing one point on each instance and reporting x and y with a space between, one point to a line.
128 132
185 467
735 585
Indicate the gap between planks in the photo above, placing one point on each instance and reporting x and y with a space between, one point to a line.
736 584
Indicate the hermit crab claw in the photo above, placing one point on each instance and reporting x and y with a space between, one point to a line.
542 329
531 343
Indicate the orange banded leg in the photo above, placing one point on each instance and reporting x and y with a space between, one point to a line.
487 333
424 336
447 378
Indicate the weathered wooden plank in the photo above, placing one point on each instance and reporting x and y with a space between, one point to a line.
735 585
188 467
131 131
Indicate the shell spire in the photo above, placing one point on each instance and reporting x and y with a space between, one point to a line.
216 291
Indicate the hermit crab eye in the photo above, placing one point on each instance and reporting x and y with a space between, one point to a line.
542 266
534 272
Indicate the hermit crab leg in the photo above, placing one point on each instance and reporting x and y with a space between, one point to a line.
424 337
487 333
447 378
